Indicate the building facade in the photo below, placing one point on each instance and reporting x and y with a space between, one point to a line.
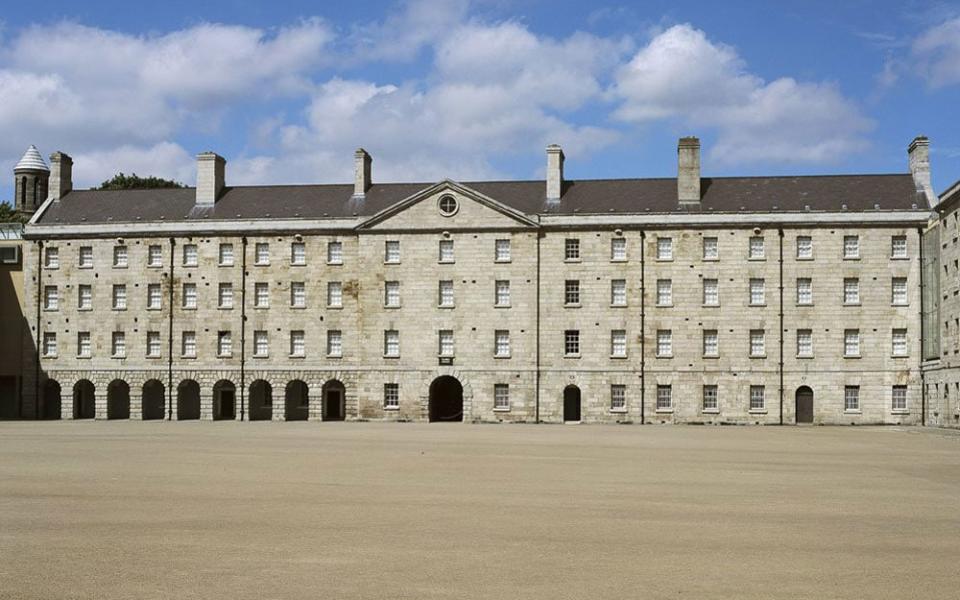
691 299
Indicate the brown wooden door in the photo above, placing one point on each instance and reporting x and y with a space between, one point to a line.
804 405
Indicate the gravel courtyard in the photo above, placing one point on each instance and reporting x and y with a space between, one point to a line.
369 510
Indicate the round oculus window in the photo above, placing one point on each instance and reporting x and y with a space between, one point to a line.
448 205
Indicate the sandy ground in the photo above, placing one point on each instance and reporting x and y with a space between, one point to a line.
367 510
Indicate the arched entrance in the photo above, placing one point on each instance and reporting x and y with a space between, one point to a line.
334 405
153 402
571 403
188 400
84 404
118 400
297 403
804 406
446 399
224 400
260 405
51 400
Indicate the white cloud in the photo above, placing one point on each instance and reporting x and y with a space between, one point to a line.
165 159
935 54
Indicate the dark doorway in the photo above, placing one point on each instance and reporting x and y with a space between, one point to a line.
446 399
297 404
153 404
334 395
118 400
224 401
804 405
9 398
84 404
571 403
51 400
260 406
188 400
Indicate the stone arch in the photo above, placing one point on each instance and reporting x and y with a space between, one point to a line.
296 401
118 400
446 399
334 398
224 400
84 400
572 404
260 401
51 400
188 400
153 400
803 405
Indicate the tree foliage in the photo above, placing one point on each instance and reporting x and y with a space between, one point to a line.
9 215
120 181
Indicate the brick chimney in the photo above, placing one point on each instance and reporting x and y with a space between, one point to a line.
361 173
554 172
211 171
688 171
61 175
919 159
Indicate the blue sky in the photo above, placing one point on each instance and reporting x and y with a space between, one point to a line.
476 90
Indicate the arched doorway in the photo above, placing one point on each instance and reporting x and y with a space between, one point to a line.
571 403
334 395
84 404
188 400
260 404
446 399
118 400
153 404
804 407
297 401
51 400
224 400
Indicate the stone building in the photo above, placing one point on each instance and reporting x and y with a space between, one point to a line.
687 299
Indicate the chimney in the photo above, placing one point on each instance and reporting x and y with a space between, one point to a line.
919 158
61 175
554 173
688 171
211 169
361 173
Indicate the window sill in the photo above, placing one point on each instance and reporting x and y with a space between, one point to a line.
897 305
618 357
261 264
500 306
760 305
710 356
711 411
78 266
391 356
803 304
120 266
49 356
851 304
225 265
298 307
47 310
804 259
664 411
852 412
293 264
189 266
503 261
224 308
804 356
618 411
619 260
189 307
572 260
115 309
391 262
391 408
851 258
663 259
577 305
225 356
188 357
85 309
851 356
84 356
154 308
757 411
501 356
899 258
118 357
664 356
756 258
261 307
261 356
154 266
710 305
758 356
501 410
618 306
153 357
446 306
340 307
297 356
903 355
899 412
664 305
571 356
446 262
334 356
335 264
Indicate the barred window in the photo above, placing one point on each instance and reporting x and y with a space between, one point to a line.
155 256
446 342
805 343
851 290
571 342
711 292
51 257
898 246
153 344
898 287
756 247
120 256
225 255
664 343
618 249
224 344
391 395
501 343
391 343
501 251
189 255
391 251
804 291
618 343
571 249
502 293
501 396
851 398
298 294
334 343
334 294
571 291
664 292
261 344
757 400
664 397
711 342
851 246
446 293
120 297
84 297
334 253
899 342
49 344
261 295
188 347
757 292
664 248
446 251
899 402
618 398
710 398
51 297
758 346
851 342
618 292
804 247
298 343
86 257
225 295
84 346
118 344
391 294
154 296
298 253
711 248
189 295
262 253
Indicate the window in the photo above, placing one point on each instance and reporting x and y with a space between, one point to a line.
804 291
446 251
448 206
188 344
618 398
502 251
334 253
899 342
664 397
445 342
120 297
664 248
120 256
225 295
618 292
757 401
189 255
51 298
50 345
805 343
571 292
710 403
899 403
758 343
502 293
155 256
334 294
391 396
757 292
225 255
501 343
261 295
851 342
851 290
571 342
391 252
711 248
571 249
391 294
391 343
84 347
618 343
851 246
224 344
618 249
899 291
334 343
664 292
86 257
664 343
153 344
446 298
501 396
804 247
261 344
711 292
118 344
297 343
51 257
851 398
154 297
711 343
898 246
298 294
298 253
756 247
85 297
261 255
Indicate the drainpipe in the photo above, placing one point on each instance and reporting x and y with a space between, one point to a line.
36 379
923 379
170 390
537 377
643 330
243 326
780 332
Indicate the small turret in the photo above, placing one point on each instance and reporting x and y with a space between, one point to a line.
31 180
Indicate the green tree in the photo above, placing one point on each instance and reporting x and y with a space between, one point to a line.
9 215
121 181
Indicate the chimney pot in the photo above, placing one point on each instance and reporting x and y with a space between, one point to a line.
361 172
211 174
61 175
918 153
688 171
554 172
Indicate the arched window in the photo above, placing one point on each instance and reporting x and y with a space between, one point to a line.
23 192
36 183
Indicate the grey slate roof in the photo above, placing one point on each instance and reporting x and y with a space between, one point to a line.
597 196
